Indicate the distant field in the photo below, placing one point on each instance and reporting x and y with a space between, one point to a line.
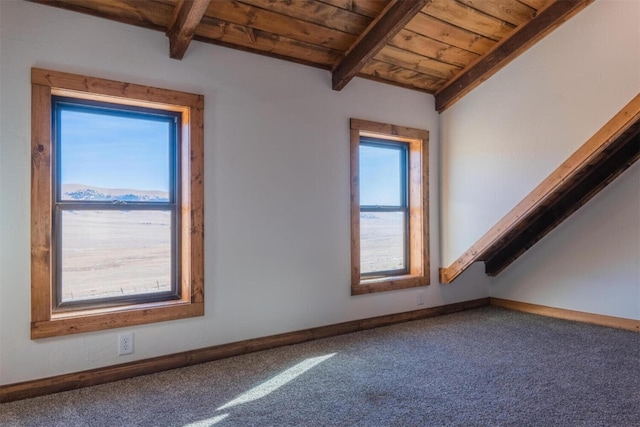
112 253
382 242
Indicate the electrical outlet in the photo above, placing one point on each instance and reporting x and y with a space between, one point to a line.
125 343
421 297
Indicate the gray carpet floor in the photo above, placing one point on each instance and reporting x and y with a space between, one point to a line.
483 367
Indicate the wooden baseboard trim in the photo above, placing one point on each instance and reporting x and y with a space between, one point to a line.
561 313
44 386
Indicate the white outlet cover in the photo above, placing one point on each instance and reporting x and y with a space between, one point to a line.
125 343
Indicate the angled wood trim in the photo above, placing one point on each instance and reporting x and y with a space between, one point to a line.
40 387
576 192
382 29
186 18
507 50
561 313
564 175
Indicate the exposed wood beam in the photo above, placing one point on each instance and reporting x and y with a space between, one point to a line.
186 18
382 29
507 50
124 11
610 151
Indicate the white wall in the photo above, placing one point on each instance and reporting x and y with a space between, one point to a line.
276 184
507 135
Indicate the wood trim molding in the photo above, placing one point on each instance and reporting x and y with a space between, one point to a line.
562 188
186 17
85 86
506 51
385 130
41 202
382 29
45 322
418 167
561 313
40 387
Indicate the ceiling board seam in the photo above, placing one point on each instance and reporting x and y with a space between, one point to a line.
436 79
212 21
418 67
252 23
394 83
352 10
294 17
514 24
400 67
390 44
267 54
335 11
457 28
500 22
442 43
493 39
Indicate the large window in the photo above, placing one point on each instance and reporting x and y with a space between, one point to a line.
389 207
117 236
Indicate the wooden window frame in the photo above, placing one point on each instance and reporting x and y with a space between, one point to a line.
45 322
402 206
419 269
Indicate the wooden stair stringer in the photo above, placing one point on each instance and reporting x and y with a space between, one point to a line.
603 157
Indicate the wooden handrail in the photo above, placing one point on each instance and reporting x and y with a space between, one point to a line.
609 152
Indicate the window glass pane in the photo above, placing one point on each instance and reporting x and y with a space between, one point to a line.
115 253
382 241
109 157
380 176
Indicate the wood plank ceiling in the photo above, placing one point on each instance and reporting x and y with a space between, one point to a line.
442 47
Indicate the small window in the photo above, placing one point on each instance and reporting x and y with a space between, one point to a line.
389 219
384 209
117 235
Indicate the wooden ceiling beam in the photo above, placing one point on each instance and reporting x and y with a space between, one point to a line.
186 17
382 29
507 50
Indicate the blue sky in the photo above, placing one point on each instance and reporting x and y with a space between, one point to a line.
114 152
379 176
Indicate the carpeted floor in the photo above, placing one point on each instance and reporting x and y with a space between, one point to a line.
483 367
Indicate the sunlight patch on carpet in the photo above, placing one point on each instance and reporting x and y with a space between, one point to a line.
276 382
208 422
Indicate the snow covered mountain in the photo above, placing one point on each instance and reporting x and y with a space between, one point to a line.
86 192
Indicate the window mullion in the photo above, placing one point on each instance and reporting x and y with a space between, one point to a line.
75 205
383 208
